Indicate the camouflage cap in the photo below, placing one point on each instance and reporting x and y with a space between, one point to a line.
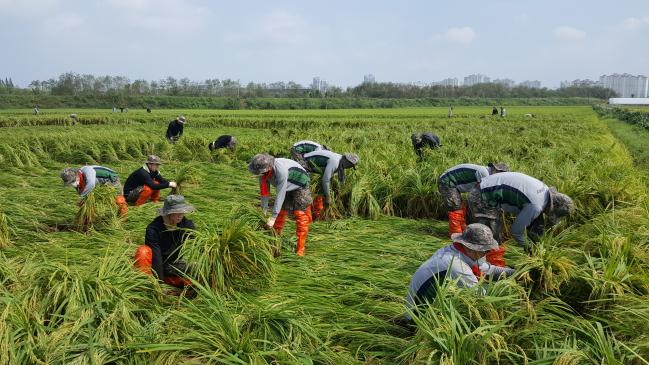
499 166
561 205
175 204
477 237
352 158
153 159
69 175
261 163
181 119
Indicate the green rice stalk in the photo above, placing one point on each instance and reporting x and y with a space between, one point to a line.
5 239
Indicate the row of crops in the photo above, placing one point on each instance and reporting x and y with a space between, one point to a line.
636 116
73 297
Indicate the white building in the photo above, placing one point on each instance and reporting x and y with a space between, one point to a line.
626 85
578 82
369 79
448 82
319 85
629 101
476 79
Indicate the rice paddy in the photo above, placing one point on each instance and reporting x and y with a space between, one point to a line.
73 296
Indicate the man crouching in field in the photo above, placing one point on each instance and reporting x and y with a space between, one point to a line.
461 261
145 183
162 242
85 179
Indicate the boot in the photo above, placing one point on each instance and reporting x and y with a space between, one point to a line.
123 207
301 230
279 221
456 222
144 259
496 256
318 206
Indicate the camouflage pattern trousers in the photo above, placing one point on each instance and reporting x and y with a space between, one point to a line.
451 197
481 212
298 199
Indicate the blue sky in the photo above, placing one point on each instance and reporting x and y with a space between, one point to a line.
339 41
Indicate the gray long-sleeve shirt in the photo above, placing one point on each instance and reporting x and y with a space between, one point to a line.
464 176
93 175
448 263
326 163
287 176
519 194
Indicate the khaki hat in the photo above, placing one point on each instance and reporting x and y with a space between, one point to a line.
175 204
69 175
181 119
153 159
477 237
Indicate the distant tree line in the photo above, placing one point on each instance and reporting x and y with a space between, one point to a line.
71 83
485 90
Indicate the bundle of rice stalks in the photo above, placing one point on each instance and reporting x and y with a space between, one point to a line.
546 269
232 257
462 326
5 240
186 175
98 210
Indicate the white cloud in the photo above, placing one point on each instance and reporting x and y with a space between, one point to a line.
635 23
159 15
569 33
464 35
282 27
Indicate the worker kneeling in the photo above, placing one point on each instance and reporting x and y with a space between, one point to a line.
164 237
461 261
291 182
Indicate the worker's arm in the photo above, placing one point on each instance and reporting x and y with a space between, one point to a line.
90 178
462 274
148 181
152 240
524 219
326 180
264 191
495 272
280 188
169 133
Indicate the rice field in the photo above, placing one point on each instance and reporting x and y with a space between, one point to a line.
70 295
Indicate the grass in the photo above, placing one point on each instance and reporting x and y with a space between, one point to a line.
73 297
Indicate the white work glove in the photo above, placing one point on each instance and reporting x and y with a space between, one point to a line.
172 184
270 223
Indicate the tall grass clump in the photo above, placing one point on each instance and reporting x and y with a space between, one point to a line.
98 210
5 239
234 256
186 175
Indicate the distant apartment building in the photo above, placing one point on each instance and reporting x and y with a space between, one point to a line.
476 79
369 79
532 84
579 82
626 85
319 85
448 82
505 82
